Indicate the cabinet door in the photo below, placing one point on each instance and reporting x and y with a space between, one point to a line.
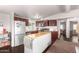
46 23
26 22
42 23
39 23
6 49
36 23
52 23
54 36
18 49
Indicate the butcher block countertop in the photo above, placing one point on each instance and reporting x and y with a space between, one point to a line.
36 35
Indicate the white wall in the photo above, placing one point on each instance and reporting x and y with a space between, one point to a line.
5 20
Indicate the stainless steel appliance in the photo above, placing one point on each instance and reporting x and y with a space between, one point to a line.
19 32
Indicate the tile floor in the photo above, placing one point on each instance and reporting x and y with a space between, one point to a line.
62 46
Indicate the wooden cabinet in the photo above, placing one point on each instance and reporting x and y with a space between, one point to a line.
46 23
17 49
39 23
42 23
21 19
52 23
54 36
6 49
26 20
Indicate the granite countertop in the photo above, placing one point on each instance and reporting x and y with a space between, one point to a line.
37 34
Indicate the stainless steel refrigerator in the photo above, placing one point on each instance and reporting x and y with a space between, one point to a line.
19 32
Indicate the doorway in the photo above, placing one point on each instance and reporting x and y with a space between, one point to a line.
63 30
73 27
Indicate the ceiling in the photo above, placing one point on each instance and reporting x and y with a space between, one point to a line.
41 10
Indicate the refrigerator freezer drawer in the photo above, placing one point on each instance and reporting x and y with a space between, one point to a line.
19 39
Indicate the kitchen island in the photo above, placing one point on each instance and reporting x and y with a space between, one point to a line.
37 43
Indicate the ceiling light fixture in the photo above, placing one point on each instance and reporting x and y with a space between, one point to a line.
36 17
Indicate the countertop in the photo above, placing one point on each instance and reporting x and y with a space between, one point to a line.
35 35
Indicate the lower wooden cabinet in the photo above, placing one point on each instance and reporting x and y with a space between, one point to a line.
18 49
54 36
52 22
9 49
6 49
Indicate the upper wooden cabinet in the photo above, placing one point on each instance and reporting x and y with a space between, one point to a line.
46 23
39 23
26 20
52 23
21 19
42 23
